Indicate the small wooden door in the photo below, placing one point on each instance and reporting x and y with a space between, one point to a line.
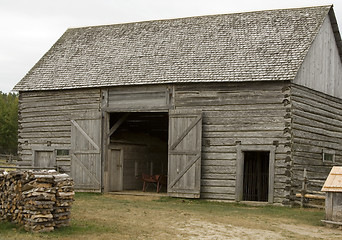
86 153
115 170
44 159
184 164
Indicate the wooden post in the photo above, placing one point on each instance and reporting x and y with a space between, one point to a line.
304 188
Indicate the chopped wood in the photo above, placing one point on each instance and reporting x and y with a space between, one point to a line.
41 201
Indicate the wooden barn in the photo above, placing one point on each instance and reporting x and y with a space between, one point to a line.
229 107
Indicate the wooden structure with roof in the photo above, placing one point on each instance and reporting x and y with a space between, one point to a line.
229 107
333 199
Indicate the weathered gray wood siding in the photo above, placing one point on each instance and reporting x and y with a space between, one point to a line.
44 121
255 114
139 98
316 127
322 67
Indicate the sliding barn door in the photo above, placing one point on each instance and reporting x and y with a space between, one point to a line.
184 169
86 152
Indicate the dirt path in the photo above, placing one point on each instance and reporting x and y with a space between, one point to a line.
197 229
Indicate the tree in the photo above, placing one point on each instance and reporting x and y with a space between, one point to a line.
8 123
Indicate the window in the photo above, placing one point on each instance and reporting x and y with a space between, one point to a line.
62 152
328 156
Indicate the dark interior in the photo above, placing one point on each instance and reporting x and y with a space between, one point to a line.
143 138
255 179
151 124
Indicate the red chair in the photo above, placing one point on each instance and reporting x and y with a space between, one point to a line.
147 180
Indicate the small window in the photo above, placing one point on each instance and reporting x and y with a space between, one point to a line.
62 152
328 156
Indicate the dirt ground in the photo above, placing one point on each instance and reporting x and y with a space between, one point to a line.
201 229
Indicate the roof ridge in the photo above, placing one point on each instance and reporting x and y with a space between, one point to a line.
198 16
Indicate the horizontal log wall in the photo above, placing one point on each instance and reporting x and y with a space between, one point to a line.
250 113
316 127
44 121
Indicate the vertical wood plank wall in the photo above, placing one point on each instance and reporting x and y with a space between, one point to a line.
317 126
322 67
45 116
255 114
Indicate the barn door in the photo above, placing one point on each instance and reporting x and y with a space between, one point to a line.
86 152
184 171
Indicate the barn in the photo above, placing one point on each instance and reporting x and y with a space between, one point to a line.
227 107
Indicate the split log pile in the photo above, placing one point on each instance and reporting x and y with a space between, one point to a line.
10 195
40 201
64 197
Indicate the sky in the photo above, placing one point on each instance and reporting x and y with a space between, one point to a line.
29 28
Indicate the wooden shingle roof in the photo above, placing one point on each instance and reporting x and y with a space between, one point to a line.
253 46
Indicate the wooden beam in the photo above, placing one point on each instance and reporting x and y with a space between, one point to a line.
311 196
118 124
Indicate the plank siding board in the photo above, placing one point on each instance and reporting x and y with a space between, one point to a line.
251 113
316 126
139 97
45 116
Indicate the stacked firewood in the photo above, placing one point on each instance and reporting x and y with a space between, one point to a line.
40 201
64 186
12 204
39 198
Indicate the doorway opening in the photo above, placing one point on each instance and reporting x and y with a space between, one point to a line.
256 176
138 146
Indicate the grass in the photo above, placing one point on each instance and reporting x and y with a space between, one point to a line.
96 216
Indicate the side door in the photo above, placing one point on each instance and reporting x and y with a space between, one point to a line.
86 152
115 170
184 159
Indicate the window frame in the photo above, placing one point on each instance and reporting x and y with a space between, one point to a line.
328 152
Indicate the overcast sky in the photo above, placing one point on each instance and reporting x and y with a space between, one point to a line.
30 27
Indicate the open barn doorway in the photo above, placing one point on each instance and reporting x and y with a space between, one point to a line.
256 176
137 147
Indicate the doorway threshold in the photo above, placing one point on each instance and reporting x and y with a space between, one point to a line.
255 203
139 193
